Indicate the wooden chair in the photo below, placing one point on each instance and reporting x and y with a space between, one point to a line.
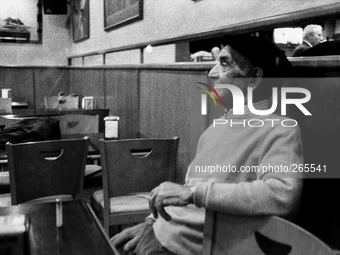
42 171
132 167
76 124
271 235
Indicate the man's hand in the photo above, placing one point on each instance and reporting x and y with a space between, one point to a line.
131 236
169 193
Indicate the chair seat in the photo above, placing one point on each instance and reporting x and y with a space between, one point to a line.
91 170
4 182
5 200
4 178
122 204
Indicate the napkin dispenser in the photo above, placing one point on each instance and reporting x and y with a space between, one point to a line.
111 127
87 103
14 234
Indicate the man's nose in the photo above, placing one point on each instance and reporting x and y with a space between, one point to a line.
214 72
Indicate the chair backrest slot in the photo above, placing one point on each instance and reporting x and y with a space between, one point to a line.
141 153
72 124
52 155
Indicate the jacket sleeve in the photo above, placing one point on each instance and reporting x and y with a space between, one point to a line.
274 192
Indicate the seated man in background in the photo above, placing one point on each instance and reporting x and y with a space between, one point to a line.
176 226
312 35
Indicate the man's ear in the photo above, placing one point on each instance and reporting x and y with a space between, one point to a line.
256 78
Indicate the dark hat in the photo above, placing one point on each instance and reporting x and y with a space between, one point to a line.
263 53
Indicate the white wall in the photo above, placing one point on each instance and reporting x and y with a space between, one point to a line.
162 19
171 18
123 57
160 54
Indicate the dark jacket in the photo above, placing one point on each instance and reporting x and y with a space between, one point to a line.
300 49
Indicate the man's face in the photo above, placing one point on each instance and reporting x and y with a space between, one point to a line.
228 72
317 37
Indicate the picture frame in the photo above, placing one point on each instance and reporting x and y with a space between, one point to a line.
81 20
21 21
118 13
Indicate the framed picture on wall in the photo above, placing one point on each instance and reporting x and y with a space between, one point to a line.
118 13
21 22
81 20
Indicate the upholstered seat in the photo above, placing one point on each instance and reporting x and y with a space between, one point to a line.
132 167
5 200
4 182
5 196
121 204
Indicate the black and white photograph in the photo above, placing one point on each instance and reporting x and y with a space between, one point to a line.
121 12
172 127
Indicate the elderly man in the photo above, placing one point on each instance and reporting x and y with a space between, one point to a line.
312 35
176 226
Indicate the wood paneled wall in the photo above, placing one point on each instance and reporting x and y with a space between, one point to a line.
48 82
163 101
21 81
153 101
170 106
88 82
122 98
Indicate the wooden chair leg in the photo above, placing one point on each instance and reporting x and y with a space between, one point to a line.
107 225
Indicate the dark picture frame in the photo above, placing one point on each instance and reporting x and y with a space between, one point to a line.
81 20
119 13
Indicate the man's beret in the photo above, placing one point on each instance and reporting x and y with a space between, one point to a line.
263 53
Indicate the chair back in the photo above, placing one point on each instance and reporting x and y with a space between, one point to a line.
47 168
265 235
137 165
80 123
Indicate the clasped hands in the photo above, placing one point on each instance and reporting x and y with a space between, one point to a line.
167 194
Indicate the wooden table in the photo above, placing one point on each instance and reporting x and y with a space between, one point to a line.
81 232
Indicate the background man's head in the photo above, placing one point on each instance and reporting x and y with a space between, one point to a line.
313 34
215 51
